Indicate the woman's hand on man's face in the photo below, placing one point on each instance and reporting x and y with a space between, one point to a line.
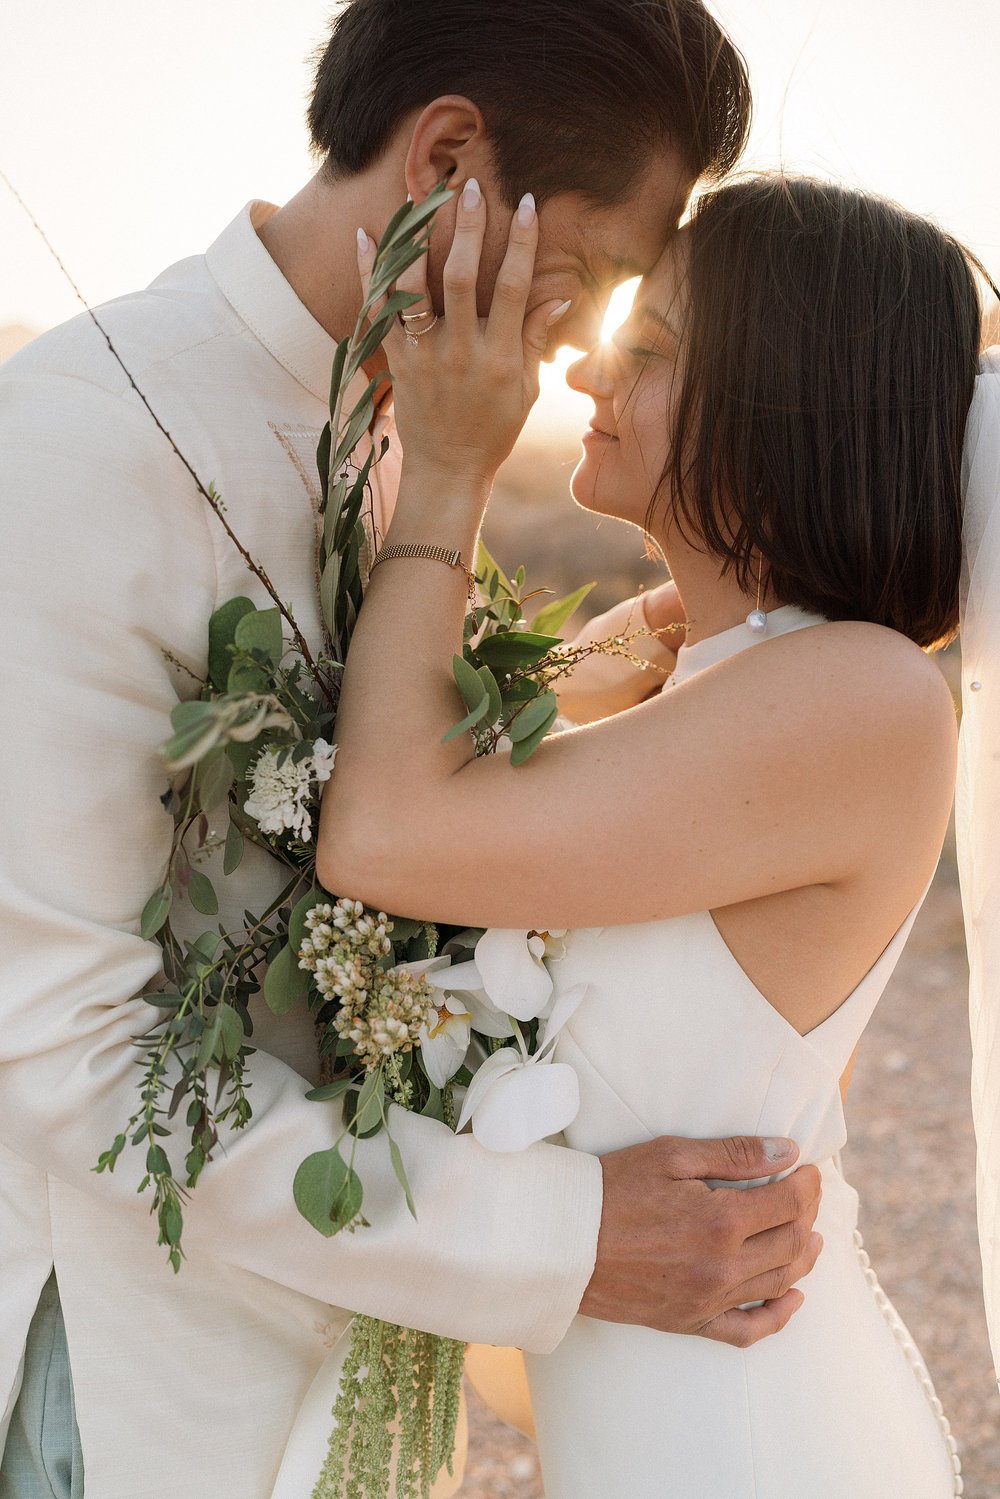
463 386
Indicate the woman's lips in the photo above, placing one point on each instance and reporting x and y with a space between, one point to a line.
598 436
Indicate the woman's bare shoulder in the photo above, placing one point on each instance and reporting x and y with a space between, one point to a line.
885 671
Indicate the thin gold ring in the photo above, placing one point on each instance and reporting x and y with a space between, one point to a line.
412 334
414 317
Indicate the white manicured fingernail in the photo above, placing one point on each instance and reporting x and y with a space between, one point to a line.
526 210
362 242
557 313
471 195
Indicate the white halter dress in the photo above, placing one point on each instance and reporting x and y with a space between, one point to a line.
673 1038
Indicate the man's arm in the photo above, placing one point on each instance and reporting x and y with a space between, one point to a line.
106 562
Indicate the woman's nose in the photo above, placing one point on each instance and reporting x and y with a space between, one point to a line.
592 375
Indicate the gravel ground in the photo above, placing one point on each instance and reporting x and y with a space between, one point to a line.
911 1157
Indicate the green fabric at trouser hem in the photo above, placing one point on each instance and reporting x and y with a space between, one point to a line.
42 1457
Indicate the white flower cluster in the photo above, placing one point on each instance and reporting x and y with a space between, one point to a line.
280 794
382 1009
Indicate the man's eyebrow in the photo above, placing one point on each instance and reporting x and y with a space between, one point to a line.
624 264
602 266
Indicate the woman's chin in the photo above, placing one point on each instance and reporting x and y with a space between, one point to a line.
581 484
590 487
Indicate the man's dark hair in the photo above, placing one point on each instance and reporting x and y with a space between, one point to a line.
830 347
575 94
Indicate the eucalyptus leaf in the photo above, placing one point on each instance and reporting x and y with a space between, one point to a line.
403 930
193 711
247 676
233 854
155 911
327 1192
231 1033
242 756
434 1107
516 693
525 748
513 650
475 715
221 637
163 1001
330 1091
550 619
285 983
368 1115
194 741
297 929
470 685
201 893
209 1041
400 1170
213 778
489 681
207 945
541 710
261 631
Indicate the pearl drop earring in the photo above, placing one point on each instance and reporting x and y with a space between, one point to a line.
757 618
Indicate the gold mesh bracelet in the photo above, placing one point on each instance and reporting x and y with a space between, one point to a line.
432 553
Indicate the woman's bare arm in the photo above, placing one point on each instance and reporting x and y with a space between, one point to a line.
802 761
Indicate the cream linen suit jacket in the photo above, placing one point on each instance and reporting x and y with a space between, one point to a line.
215 1383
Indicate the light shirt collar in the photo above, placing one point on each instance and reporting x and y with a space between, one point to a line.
259 294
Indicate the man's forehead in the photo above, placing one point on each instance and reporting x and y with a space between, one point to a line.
617 252
628 238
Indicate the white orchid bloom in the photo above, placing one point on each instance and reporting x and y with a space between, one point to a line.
515 1100
444 1043
464 981
512 969
445 1038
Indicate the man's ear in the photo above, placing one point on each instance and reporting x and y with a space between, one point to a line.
448 144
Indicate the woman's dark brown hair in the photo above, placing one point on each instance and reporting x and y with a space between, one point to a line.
831 343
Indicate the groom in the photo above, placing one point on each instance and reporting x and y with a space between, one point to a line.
110 566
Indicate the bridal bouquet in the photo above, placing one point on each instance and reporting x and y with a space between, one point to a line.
456 1025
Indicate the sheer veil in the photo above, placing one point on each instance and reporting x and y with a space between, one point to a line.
978 803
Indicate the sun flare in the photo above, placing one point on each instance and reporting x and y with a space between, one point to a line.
561 410
619 307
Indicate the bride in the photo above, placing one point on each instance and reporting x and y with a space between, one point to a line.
738 859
